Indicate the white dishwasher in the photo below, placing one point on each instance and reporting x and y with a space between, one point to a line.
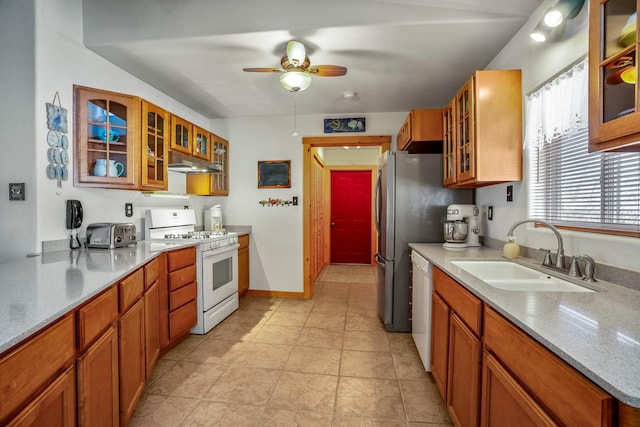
421 312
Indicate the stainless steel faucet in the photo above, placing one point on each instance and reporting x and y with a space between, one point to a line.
560 252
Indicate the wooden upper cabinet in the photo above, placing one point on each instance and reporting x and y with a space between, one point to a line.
487 130
181 135
155 147
107 139
614 115
201 143
421 132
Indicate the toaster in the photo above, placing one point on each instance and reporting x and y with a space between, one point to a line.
108 235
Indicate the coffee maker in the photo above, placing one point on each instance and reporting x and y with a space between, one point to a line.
213 218
461 227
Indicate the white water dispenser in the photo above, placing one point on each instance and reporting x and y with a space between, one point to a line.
213 218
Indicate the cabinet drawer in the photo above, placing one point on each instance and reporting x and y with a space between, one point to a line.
181 258
131 289
182 277
181 296
572 398
151 272
182 319
461 301
243 241
49 351
94 317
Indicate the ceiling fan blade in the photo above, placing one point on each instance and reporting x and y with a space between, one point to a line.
262 70
296 53
327 70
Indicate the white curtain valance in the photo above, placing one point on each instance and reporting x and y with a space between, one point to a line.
559 107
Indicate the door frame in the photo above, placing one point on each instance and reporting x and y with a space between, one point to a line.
309 143
374 176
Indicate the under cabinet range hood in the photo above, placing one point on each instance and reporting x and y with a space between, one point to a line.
183 163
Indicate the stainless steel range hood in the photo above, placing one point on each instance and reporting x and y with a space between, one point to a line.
183 163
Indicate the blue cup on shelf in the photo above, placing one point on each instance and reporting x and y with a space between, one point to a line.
111 135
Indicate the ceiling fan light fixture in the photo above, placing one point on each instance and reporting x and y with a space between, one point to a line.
296 53
295 81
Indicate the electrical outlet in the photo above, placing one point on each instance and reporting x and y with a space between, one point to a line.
128 209
16 191
490 213
509 193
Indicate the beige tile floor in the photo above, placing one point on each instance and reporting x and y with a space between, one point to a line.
327 361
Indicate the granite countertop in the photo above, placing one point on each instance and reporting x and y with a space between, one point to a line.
34 292
598 333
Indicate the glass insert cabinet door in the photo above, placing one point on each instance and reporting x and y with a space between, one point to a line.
106 138
155 139
613 54
449 156
181 135
220 160
201 146
464 133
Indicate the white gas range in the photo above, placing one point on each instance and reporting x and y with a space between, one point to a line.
217 262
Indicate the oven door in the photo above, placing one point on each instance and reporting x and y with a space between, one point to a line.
219 275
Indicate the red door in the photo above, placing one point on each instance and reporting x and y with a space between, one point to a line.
351 217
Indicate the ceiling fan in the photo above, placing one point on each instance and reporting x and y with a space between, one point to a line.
296 70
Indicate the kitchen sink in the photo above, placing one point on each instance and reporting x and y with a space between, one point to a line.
510 276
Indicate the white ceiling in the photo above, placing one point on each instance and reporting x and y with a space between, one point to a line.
400 54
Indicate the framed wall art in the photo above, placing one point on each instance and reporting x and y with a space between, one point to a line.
274 173
356 124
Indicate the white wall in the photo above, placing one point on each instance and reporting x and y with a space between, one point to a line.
540 62
17 76
276 258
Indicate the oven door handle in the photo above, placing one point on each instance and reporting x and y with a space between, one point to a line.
220 251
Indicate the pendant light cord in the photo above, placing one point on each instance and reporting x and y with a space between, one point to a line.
295 114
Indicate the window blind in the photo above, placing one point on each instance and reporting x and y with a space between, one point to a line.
575 188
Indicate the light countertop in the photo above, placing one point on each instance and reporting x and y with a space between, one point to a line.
36 291
598 333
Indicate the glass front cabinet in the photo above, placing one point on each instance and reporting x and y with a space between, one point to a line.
155 147
449 147
217 182
181 135
614 117
107 139
202 143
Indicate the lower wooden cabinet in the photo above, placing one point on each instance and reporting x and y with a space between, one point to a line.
456 349
491 373
243 264
98 385
566 395
132 359
440 343
54 407
505 402
30 366
151 327
463 380
178 306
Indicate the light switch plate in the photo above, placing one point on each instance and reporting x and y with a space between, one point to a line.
490 213
16 191
509 193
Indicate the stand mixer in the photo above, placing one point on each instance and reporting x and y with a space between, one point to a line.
461 228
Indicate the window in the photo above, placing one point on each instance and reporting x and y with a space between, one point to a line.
569 186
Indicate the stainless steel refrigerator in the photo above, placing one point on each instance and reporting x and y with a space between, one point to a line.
410 204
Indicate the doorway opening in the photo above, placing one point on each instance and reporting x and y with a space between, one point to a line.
316 200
